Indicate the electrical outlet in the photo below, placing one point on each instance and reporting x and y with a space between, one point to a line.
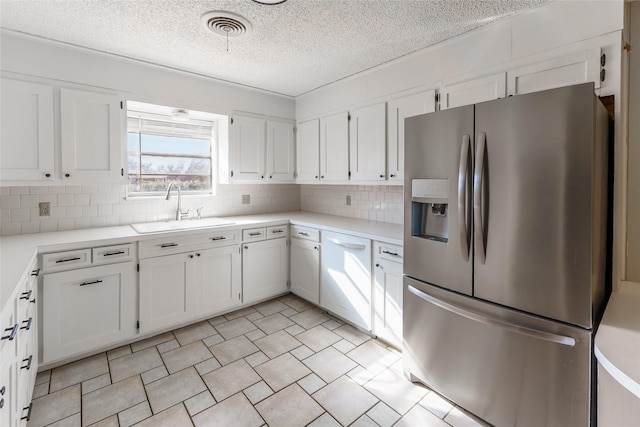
348 200
246 199
45 208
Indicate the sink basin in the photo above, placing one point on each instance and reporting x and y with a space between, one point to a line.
189 224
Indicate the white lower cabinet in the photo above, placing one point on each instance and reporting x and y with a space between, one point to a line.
88 308
264 269
219 283
305 269
345 277
387 293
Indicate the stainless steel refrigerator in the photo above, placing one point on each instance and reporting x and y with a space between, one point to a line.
504 254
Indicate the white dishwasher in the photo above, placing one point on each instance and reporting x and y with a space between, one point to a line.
345 281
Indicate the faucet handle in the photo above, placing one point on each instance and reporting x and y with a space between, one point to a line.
184 214
199 212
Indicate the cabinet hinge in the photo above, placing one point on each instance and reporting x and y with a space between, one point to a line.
121 171
231 174
231 120
138 324
239 296
603 60
121 105
138 267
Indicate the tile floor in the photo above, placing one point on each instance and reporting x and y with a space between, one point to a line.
283 362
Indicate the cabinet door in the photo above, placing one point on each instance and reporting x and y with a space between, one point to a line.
473 91
387 302
305 269
7 366
345 278
91 136
26 134
87 309
166 297
219 284
400 109
247 155
572 69
280 159
308 151
368 143
334 147
264 269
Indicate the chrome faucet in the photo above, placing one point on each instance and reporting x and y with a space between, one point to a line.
179 214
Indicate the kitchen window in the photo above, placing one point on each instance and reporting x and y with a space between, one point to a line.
165 145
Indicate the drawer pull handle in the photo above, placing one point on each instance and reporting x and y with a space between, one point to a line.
390 253
90 283
28 324
168 245
303 233
28 360
26 295
218 238
35 272
28 416
12 335
277 231
68 259
258 233
114 253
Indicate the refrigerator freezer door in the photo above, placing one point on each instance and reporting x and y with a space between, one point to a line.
540 216
437 193
506 367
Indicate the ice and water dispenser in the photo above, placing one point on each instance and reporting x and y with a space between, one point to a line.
430 209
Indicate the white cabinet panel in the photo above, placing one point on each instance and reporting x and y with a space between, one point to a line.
334 147
8 375
367 143
26 135
572 69
280 158
247 155
91 136
387 294
219 279
308 151
264 269
473 91
400 109
305 269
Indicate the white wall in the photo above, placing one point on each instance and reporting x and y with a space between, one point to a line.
633 194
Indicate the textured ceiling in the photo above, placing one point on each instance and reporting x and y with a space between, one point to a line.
294 47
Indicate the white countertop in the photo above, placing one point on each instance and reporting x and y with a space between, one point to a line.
617 343
17 252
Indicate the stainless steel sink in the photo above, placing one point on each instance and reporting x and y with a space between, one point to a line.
155 227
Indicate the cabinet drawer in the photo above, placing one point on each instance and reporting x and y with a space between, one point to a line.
185 243
69 260
221 238
113 254
254 234
389 252
305 233
276 231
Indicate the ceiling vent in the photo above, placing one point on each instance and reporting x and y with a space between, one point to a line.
226 24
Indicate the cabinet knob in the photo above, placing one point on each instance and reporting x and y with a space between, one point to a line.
197 254
381 175
262 176
392 175
315 247
3 390
270 177
377 265
67 175
246 247
48 175
321 176
191 256
316 176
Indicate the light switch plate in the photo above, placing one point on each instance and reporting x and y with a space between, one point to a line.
246 199
45 208
348 200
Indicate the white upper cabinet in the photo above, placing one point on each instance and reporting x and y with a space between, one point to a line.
91 136
247 155
280 158
334 147
567 70
308 151
400 109
473 91
367 143
27 141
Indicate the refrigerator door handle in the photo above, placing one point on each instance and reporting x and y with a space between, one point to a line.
477 198
462 197
481 318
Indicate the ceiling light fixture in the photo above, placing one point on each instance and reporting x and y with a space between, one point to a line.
269 2
180 115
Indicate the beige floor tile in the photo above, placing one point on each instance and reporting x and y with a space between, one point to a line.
344 346
276 344
239 313
118 352
309 318
459 418
345 400
436 404
364 421
207 366
235 328
175 416
419 416
302 352
112 421
282 371
233 349
43 377
112 399
395 390
329 364
318 338
373 356
213 340
217 320
311 383
95 383
152 341
295 330
135 414
55 406
40 390
236 411
360 375
74 420
273 323
258 392
154 374
188 355
289 312
325 420
255 334
332 324
77 372
270 307
168 346
168 391
298 304
383 415
256 359
350 333
230 379
254 316
289 407
193 333
134 364
199 402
